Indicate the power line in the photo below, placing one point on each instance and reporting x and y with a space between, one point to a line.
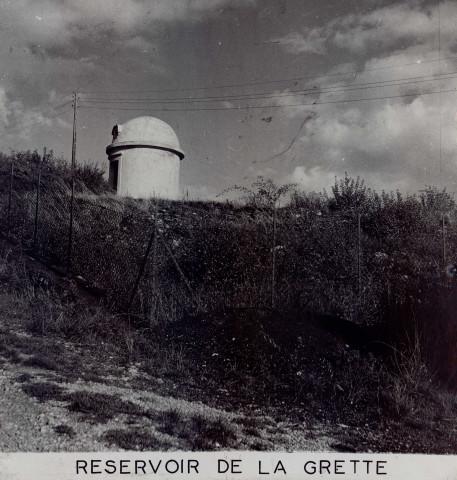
301 90
354 72
251 107
292 93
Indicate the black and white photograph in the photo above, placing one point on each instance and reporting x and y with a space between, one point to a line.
228 225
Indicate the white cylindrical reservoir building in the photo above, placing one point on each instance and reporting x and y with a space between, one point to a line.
144 159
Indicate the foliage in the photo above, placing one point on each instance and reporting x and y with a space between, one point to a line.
134 439
43 391
263 193
87 176
312 203
308 254
350 194
436 201
100 406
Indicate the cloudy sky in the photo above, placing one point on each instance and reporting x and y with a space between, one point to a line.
294 90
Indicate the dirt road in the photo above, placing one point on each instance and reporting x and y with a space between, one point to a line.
61 396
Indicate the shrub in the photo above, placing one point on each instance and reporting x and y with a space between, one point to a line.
100 406
44 391
134 439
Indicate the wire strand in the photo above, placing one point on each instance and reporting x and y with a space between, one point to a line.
292 93
249 107
354 72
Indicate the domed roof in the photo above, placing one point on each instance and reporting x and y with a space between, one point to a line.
146 131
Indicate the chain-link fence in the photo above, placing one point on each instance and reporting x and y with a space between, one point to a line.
160 259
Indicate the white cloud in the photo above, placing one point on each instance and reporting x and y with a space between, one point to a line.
69 29
44 19
392 143
311 41
384 27
311 179
4 110
16 118
392 28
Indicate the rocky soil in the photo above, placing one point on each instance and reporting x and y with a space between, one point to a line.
37 412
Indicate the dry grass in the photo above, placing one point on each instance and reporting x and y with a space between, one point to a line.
135 439
44 391
63 429
201 431
100 407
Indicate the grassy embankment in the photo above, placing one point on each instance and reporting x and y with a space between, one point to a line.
223 334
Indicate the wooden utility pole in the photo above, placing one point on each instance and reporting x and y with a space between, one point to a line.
72 198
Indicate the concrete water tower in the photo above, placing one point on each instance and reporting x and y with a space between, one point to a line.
144 159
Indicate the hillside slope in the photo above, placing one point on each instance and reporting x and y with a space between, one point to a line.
76 377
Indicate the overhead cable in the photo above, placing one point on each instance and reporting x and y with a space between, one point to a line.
252 107
291 93
284 80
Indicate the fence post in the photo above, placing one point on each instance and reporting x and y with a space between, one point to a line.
37 204
154 252
73 173
10 194
186 282
70 229
359 252
273 260
151 242
443 233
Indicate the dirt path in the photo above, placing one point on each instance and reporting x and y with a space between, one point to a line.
60 396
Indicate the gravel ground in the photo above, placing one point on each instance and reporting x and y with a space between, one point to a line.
31 424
